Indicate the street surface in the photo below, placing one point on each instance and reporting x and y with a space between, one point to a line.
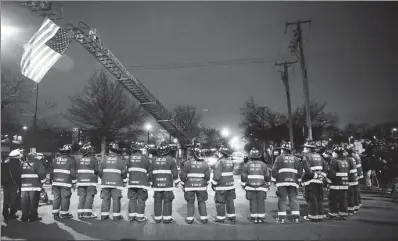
377 220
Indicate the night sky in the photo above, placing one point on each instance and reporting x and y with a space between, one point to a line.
351 50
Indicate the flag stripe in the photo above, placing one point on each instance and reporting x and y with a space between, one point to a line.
38 36
37 44
44 49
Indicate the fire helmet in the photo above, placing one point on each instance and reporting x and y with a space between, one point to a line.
254 154
86 149
66 149
163 149
286 145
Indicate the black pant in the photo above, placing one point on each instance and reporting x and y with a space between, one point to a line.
30 204
314 198
10 206
338 202
61 200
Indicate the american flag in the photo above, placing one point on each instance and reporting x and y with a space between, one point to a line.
43 50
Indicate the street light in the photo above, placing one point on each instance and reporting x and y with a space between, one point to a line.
393 130
349 139
175 140
225 132
24 128
148 127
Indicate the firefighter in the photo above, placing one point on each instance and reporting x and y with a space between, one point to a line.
139 168
64 178
87 180
47 166
315 169
32 178
164 178
353 189
113 174
255 179
286 173
338 175
11 181
357 195
223 185
195 175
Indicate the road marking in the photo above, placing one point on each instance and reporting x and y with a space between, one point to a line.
76 235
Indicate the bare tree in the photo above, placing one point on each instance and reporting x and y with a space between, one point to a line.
105 108
189 119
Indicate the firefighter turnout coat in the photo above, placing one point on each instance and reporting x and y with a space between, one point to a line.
359 166
139 169
195 175
64 171
313 163
113 172
87 170
223 175
286 170
338 173
33 176
352 176
255 176
164 174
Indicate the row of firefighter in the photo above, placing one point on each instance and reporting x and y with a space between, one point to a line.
139 174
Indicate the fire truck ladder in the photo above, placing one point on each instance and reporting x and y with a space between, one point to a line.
90 40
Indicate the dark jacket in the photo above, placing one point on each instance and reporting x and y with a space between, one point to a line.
11 171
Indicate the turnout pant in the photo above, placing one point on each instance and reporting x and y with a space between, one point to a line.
291 193
314 198
338 202
350 199
357 198
10 206
86 199
30 204
61 200
202 197
256 203
225 199
163 205
137 197
106 195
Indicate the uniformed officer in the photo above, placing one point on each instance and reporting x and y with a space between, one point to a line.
64 177
195 175
113 173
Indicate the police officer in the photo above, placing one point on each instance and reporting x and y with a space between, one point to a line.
113 173
139 169
315 169
32 178
195 175
64 177
286 172
352 179
223 185
164 178
87 180
255 179
11 181
338 175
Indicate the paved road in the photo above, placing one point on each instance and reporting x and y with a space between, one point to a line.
377 220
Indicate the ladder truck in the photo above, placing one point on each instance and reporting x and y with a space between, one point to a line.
90 39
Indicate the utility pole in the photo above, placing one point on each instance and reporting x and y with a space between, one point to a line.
297 44
285 79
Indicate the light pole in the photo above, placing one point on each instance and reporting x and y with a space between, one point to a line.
392 133
349 139
148 127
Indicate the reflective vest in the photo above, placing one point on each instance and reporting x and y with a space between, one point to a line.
359 166
286 171
33 176
315 163
138 167
255 176
223 175
87 169
352 176
195 175
164 173
64 171
113 171
338 173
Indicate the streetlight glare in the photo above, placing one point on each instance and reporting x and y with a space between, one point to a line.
7 31
24 128
225 132
148 127
394 129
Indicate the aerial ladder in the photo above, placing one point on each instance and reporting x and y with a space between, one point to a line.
90 39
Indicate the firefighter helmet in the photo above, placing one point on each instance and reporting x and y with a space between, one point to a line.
254 154
310 144
225 151
114 147
65 148
163 149
338 149
286 145
86 149
137 146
